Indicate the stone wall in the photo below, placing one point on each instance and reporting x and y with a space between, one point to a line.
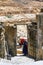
10 35
39 50
2 43
32 42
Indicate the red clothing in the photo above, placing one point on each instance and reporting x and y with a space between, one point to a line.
22 41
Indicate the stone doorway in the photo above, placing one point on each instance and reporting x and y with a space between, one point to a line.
12 35
21 34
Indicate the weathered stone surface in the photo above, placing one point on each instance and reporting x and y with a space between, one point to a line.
2 43
35 46
32 45
10 34
40 36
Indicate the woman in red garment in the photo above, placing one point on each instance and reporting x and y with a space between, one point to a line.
25 46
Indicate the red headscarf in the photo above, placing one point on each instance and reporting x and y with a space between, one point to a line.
22 41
